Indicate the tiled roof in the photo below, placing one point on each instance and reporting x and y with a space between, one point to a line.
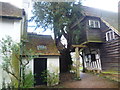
36 40
8 10
111 27
108 16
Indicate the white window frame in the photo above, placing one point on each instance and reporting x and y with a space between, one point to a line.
94 25
41 47
110 35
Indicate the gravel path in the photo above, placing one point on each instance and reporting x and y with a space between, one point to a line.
90 81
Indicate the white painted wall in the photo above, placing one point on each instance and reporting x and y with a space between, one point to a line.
12 28
52 64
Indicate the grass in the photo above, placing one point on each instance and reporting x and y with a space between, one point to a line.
81 68
110 72
110 75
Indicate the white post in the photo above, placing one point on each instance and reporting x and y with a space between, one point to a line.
77 63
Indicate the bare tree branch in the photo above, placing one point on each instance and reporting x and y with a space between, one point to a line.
12 74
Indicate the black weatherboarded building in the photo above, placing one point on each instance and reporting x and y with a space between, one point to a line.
101 37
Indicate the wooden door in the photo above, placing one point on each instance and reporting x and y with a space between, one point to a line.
40 65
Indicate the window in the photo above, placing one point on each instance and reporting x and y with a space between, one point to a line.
41 47
110 35
94 23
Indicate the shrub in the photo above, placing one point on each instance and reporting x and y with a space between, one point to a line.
52 78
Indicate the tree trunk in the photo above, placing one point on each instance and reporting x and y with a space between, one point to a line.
23 76
65 61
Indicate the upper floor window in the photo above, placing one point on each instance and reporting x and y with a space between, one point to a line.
94 23
110 35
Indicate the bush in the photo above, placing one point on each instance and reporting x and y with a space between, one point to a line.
29 80
52 78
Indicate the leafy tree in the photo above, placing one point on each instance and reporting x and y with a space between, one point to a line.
13 62
59 17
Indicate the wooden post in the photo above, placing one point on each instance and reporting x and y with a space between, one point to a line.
77 63
77 52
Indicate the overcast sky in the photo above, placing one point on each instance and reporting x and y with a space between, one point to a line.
110 5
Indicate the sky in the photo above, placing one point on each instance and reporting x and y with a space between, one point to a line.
17 3
110 5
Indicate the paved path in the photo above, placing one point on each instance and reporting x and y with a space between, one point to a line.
90 81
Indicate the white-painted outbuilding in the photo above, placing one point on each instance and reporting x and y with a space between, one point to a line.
47 57
12 23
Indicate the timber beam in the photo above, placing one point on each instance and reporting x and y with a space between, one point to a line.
79 46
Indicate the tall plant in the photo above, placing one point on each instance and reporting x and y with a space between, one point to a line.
13 61
52 78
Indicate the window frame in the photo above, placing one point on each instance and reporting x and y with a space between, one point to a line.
41 47
110 35
94 23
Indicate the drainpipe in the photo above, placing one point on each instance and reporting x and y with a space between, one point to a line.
24 27
23 37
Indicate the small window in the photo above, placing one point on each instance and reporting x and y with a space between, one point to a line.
41 47
94 23
110 35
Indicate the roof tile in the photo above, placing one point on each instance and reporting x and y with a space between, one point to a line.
35 40
8 10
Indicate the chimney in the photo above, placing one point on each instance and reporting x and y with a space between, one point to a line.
26 5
